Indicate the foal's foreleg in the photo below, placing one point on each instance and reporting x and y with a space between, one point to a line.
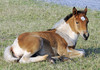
73 53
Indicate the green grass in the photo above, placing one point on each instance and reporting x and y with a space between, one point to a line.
19 16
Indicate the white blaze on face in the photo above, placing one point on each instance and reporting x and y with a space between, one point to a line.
82 18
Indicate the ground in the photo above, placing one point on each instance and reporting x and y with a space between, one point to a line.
19 16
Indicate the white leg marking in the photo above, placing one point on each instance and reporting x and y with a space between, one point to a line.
82 52
25 57
38 58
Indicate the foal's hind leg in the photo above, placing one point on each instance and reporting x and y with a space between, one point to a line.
30 45
26 58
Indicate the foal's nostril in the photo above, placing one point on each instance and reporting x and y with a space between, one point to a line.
86 35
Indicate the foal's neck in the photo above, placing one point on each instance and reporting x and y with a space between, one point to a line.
66 32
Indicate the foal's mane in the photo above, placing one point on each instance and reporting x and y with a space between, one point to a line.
70 15
64 20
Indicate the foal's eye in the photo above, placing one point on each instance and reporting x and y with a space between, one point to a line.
76 22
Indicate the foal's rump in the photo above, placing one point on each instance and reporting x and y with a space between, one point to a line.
30 43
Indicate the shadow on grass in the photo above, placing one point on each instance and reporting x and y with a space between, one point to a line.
92 50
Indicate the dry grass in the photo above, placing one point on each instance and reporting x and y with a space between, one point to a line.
18 16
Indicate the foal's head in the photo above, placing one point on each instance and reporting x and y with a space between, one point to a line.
79 22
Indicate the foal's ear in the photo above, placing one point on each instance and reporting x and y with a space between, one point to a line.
85 10
74 11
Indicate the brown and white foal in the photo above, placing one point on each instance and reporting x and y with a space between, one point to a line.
58 41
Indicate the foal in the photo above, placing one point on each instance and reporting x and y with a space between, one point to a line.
58 41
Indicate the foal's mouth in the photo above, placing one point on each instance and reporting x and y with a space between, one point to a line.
85 36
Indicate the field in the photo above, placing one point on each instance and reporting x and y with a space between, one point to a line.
19 16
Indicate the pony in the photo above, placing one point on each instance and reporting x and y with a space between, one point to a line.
51 44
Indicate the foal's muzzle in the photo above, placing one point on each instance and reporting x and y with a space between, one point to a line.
85 35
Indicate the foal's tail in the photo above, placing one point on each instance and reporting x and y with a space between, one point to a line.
8 55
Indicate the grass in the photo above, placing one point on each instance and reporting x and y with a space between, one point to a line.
19 16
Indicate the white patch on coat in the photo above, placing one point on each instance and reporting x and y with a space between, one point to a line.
65 31
81 51
82 18
16 49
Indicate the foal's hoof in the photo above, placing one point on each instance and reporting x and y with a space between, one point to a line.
62 58
16 60
82 52
53 61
